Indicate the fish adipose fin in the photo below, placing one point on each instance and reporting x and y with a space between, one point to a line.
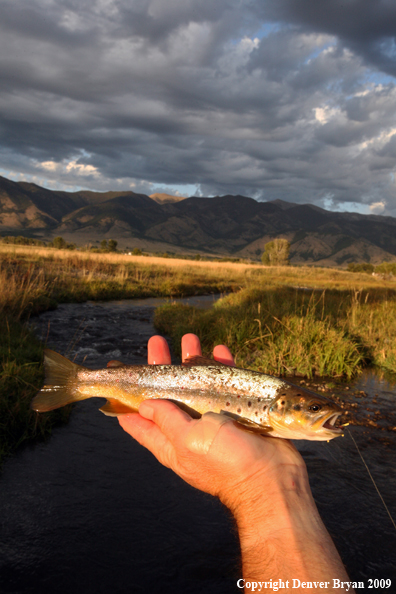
114 407
247 423
60 382
198 360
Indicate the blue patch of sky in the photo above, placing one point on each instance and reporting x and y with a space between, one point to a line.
319 50
379 78
329 204
388 47
266 29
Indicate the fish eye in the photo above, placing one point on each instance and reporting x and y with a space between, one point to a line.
315 407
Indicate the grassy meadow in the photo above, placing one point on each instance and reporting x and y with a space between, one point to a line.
289 331
280 320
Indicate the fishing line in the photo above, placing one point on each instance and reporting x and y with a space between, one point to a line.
370 475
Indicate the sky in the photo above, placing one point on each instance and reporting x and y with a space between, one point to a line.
272 99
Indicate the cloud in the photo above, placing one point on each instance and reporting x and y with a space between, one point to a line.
377 207
282 99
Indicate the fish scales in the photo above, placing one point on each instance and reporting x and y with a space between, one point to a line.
256 401
225 389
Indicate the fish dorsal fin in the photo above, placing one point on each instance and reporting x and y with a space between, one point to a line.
199 360
247 423
114 407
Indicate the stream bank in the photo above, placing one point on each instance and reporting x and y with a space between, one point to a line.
91 510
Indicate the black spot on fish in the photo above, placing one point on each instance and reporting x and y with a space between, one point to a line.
238 410
258 399
283 402
265 407
256 413
297 407
249 403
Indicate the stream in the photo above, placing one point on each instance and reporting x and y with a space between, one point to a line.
92 511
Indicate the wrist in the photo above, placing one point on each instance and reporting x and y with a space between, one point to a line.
280 531
274 503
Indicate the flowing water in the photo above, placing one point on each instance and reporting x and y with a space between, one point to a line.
92 511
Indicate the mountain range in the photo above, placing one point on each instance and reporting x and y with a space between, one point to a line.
224 225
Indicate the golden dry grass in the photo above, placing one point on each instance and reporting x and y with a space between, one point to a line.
122 267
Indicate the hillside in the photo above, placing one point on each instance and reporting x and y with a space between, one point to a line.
233 225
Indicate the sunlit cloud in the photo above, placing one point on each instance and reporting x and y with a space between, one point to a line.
269 100
377 207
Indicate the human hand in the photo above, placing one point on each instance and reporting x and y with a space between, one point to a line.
213 454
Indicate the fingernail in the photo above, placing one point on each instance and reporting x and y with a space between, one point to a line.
146 411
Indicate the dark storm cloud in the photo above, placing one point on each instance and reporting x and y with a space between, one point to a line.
281 99
368 28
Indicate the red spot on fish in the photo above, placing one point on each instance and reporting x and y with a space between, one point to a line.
239 410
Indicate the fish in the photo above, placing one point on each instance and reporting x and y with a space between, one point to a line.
260 403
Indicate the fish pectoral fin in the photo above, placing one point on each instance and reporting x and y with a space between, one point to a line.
198 360
114 407
247 423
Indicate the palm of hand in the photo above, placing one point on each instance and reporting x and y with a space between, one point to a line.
212 453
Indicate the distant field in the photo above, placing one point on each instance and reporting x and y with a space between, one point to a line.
281 320
71 275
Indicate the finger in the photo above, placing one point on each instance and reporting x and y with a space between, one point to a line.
158 351
115 363
171 420
223 354
190 346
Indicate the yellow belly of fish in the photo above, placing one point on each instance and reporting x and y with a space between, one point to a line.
119 401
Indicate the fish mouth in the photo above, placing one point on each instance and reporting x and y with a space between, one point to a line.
329 423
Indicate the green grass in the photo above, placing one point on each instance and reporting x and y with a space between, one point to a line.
286 331
21 376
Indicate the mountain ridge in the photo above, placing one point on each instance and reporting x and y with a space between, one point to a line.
222 225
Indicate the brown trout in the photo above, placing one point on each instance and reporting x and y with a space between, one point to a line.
258 402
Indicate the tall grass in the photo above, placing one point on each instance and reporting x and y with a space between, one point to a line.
286 331
21 377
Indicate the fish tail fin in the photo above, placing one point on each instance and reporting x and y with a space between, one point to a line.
60 383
